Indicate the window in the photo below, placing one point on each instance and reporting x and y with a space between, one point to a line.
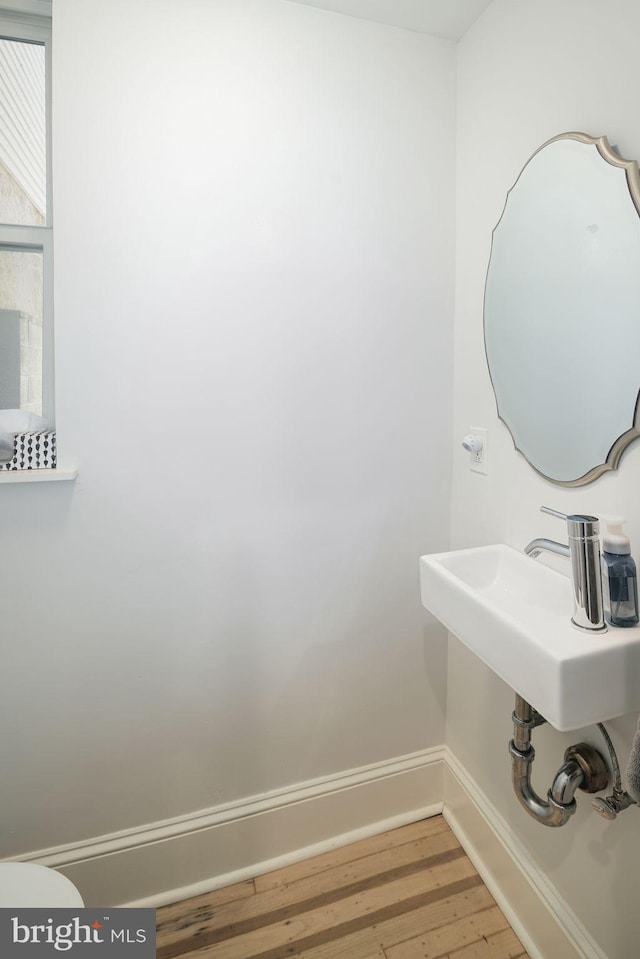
26 296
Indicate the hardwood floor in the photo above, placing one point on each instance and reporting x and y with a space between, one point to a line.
407 894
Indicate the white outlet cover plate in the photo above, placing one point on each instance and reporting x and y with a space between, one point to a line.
478 462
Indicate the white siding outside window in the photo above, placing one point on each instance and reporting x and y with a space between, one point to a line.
26 242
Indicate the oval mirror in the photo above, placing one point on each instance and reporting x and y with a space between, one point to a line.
562 308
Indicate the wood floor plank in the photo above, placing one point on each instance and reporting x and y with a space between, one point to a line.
410 893
275 905
358 945
454 935
504 945
339 919
356 850
180 919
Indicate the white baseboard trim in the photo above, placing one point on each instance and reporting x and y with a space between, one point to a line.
167 861
539 916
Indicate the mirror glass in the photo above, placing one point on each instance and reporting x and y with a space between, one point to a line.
562 308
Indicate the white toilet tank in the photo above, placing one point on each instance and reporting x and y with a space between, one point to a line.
26 885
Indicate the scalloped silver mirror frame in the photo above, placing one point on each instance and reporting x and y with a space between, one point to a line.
632 176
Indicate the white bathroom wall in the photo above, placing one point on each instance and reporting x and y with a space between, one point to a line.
253 295
527 72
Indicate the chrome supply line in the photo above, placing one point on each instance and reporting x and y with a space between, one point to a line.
619 800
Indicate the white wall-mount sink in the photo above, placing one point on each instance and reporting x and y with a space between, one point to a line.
514 613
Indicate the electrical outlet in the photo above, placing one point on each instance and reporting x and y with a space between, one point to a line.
478 459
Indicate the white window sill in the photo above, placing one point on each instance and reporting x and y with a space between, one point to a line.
36 476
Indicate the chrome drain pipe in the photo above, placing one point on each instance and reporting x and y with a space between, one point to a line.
583 768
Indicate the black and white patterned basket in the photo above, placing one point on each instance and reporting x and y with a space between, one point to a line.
33 451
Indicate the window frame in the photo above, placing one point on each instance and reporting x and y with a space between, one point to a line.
36 28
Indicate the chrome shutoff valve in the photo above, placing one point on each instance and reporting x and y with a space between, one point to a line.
609 806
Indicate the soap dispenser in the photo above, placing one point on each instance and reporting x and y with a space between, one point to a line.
619 581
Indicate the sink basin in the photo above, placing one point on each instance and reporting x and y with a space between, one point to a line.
514 613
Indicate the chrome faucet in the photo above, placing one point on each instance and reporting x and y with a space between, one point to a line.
536 546
584 555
